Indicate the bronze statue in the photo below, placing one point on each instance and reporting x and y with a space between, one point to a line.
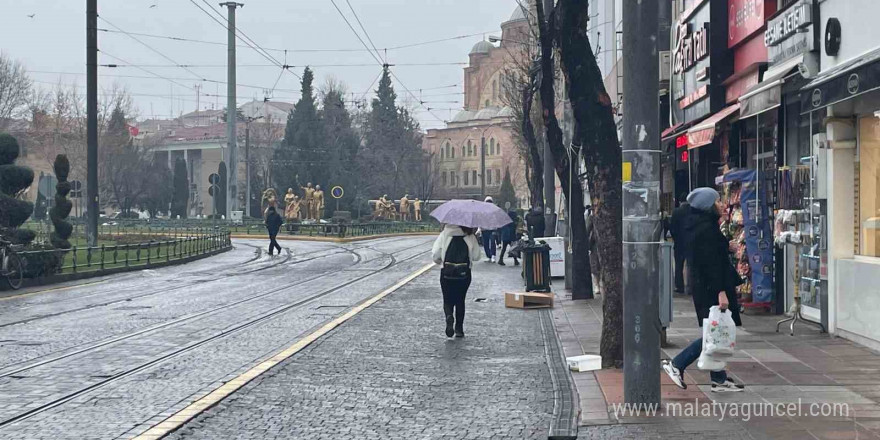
291 207
318 198
309 200
404 207
417 209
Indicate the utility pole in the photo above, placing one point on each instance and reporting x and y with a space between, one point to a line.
483 166
92 120
231 114
641 203
549 168
247 167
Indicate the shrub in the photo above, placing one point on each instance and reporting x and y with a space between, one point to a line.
13 180
58 214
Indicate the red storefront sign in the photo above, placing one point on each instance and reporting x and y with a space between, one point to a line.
681 141
747 17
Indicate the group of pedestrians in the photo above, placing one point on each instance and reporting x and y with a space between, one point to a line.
503 238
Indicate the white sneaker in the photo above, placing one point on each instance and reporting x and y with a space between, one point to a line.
492 259
728 386
674 374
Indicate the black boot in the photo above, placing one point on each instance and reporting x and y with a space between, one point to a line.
459 321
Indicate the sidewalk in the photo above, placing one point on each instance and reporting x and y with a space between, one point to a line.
777 369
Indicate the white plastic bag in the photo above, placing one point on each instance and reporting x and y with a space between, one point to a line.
710 362
719 333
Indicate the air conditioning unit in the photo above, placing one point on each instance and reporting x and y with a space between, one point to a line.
665 65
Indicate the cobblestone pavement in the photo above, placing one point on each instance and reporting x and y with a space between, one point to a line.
391 373
111 359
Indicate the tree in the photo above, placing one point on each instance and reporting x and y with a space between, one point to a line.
59 213
302 156
596 131
14 180
15 87
124 166
160 190
342 142
221 198
508 194
180 198
565 160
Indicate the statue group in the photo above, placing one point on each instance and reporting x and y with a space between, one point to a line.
309 207
386 209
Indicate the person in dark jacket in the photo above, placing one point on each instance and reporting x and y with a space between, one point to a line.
711 280
273 225
679 249
535 222
508 237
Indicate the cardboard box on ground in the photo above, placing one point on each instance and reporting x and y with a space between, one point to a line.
528 300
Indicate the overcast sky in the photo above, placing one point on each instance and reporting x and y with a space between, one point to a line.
54 41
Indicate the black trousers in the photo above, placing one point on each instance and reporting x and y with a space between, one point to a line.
454 293
273 244
679 271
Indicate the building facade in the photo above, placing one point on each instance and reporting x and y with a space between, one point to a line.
481 135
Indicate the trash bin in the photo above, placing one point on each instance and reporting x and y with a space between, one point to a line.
536 267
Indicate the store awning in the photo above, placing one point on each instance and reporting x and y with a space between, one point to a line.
670 132
767 94
846 81
704 132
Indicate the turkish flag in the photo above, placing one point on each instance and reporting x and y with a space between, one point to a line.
133 131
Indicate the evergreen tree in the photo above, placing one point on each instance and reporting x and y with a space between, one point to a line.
180 199
13 180
59 213
342 145
508 194
302 152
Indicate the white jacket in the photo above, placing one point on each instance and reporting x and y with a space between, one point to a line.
442 243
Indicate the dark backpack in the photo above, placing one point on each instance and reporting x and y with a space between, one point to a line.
457 261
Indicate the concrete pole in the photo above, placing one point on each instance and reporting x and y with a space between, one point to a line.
641 204
231 115
549 167
483 167
247 168
92 120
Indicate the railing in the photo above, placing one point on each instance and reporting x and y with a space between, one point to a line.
181 244
339 230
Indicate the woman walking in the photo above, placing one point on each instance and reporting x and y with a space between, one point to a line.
454 250
508 236
711 279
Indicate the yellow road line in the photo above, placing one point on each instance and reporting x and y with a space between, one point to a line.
181 417
56 289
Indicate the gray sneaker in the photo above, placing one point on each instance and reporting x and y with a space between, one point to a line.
728 386
674 373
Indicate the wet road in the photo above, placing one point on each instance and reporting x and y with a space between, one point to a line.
113 357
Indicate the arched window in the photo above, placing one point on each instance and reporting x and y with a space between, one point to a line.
442 153
498 148
475 176
487 103
489 178
491 147
443 178
463 151
498 175
494 89
450 150
466 181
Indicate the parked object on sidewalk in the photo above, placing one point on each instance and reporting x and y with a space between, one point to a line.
536 267
587 362
556 257
528 300
471 214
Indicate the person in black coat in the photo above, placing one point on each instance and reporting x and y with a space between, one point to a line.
508 237
273 225
676 229
535 223
711 279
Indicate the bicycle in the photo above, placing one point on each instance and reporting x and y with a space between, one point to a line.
12 267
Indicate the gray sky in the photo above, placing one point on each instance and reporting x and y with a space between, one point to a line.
54 41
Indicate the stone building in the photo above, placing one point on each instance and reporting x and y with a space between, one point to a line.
484 122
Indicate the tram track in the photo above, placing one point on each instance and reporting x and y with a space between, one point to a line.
166 289
258 319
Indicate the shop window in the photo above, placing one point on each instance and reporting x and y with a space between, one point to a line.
867 184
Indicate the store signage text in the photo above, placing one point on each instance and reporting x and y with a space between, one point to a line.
695 96
691 47
681 141
790 22
746 17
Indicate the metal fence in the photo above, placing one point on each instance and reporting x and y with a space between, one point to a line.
177 245
339 230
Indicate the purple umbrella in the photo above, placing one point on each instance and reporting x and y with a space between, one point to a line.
471 214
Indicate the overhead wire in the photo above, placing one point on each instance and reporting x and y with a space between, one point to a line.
365 32
356 34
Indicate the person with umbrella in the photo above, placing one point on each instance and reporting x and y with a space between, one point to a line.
456 248
488 237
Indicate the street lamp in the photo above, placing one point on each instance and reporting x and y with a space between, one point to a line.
497 39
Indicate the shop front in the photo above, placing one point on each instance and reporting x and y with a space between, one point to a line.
845 158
